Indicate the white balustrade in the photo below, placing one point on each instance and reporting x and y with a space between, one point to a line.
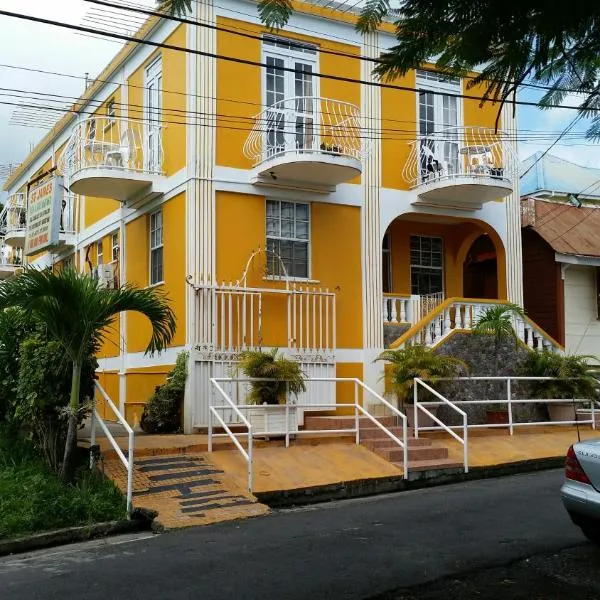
459 152
396 309
305 124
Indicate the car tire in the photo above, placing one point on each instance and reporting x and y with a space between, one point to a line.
592 534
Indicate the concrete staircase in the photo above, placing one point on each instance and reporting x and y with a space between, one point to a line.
424 454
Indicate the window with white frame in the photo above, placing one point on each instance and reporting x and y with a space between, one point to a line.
290 91
99 252
156 247
111 110
439 119
114 243
426 265
288 237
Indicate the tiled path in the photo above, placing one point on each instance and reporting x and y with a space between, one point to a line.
186 490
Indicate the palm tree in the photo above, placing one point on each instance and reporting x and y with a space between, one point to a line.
422 362
497 321
176 7
77 313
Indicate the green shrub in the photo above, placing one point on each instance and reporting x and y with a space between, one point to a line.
15 326
162 413
43 390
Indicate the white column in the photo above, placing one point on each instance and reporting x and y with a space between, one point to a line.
514 254
200 194
123 269
370 220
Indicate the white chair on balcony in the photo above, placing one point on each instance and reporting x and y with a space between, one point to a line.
433 166
121 154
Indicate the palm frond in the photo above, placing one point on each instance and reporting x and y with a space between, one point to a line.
372 15
275 14
178 8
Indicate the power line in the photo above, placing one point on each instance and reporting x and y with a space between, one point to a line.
128 6
259 64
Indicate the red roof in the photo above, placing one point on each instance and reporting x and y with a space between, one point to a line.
569 230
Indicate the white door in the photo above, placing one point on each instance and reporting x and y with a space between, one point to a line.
153 117
290 97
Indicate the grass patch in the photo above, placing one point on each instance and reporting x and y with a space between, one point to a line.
32 498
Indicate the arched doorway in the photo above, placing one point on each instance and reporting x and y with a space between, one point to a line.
480 269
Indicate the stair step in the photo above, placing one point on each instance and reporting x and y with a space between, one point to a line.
375 433
385 442
416 453
314 423
430 465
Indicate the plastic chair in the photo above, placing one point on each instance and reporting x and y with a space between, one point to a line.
121 155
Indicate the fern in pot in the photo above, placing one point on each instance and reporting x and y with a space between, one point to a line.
276 382
572 380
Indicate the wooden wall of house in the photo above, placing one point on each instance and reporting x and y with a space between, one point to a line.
543 289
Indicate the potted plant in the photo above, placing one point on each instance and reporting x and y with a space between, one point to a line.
497 322
574 381
419 361
277 380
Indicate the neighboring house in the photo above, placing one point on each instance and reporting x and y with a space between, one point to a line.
560 211
277 205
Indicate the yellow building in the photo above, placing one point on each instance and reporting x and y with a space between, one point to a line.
280 195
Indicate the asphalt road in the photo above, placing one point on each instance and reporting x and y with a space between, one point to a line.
355 549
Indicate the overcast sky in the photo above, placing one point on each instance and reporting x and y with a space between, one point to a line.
38 46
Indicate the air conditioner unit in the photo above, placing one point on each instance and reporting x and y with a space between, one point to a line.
106 276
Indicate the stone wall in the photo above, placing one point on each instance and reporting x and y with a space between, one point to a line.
478 352
392 332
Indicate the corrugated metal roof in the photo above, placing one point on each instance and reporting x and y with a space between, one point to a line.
569 230
554 174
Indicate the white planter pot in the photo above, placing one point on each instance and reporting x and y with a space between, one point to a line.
271 419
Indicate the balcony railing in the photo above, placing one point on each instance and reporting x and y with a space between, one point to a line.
112 157
304 129
16 217
460 156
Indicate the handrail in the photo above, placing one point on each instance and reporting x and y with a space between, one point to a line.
358 409
213 412
127 462
464 318
464 440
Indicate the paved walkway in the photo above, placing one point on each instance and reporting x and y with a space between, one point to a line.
186 490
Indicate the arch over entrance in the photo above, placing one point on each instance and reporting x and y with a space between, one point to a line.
480 269
425 254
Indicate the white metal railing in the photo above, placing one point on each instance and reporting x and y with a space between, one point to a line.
16 214
305 124
585 404
247 454
459 152
463 314
422 406
287 424
126 460
114 143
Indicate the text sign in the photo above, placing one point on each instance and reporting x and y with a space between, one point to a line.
43 216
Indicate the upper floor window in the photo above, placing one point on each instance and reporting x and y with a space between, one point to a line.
426 265
111 110
114 243
290 92
92 128
99 252
156 247
288 236
439 120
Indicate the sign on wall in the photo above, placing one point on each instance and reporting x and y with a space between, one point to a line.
43 216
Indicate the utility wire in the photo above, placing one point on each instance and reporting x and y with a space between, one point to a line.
242 61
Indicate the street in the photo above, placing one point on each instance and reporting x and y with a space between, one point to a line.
357 549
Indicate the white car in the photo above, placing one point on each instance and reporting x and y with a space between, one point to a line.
581 489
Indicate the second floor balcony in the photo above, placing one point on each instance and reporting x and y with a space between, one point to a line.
306 141
10 260
14 220
116 158
461 166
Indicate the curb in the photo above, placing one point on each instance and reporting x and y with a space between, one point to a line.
384 485
69 535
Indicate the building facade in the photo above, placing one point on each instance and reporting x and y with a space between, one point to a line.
561 269
280 195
